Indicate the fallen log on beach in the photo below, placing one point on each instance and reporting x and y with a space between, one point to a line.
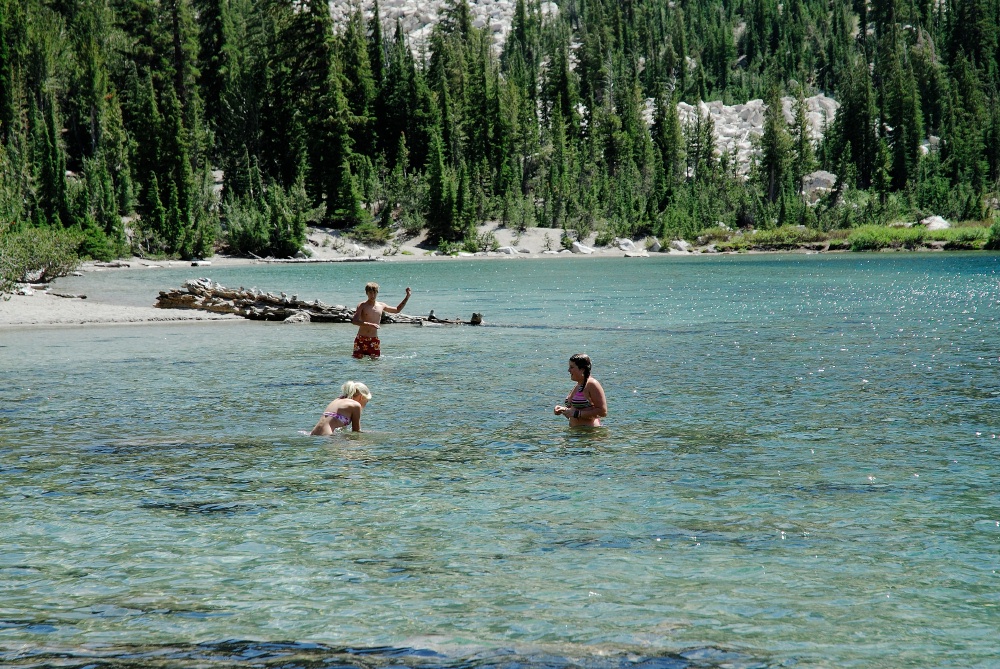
206 295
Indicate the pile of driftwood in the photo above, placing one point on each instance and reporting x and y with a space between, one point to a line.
251 303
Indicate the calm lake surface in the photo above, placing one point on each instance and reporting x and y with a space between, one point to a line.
800 468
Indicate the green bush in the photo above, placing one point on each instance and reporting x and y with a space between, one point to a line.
450 248
274 225
738 243
36 255
95 244
486 241
370 234
411 223
247 226
876 238
713 234
993 237
961 238
605 236
785 237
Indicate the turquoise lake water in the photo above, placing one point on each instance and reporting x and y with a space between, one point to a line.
800 468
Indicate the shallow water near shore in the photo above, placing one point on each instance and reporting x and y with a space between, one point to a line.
799 469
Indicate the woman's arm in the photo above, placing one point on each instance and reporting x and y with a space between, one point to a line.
356 418
594 393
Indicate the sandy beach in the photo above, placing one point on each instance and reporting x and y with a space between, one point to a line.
44 308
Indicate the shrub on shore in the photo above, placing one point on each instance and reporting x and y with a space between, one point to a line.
36 255
862 238
993 236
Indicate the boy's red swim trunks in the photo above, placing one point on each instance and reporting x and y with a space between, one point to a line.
366 346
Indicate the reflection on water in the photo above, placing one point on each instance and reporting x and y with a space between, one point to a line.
799 467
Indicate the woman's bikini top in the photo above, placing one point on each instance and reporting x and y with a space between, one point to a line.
578 399
333 415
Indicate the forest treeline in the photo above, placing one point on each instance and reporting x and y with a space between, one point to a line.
123 108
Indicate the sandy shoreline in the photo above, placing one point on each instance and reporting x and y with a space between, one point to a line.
46 310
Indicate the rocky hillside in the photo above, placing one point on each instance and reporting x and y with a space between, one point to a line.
735 126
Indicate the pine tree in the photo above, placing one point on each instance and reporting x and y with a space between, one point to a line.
669 140
975 33
376 46
13 44
397 96
775 147
856 121
358 82
440 208
962 148
180 178
804 159
49 161
699 148
154 220
146 134
211 62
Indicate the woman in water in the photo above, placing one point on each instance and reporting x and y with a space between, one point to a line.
586 404
344 410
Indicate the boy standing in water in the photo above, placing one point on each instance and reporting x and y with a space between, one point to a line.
367 317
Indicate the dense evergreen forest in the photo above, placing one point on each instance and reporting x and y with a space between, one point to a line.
114 114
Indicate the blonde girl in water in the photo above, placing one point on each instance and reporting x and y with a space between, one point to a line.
344 410
586 403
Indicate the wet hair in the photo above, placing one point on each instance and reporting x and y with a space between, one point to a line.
371 287
352 388
582 362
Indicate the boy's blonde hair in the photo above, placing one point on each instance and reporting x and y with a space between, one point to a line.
352 388
371 287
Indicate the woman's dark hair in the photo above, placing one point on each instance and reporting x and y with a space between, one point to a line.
582 362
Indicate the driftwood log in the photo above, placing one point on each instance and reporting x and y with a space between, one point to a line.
251 303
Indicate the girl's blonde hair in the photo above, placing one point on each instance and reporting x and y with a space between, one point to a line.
352 388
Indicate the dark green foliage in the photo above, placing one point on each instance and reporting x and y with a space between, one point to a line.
271 224
112 108
776 150
993 238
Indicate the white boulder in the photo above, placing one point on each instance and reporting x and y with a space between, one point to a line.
580 248
935 223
